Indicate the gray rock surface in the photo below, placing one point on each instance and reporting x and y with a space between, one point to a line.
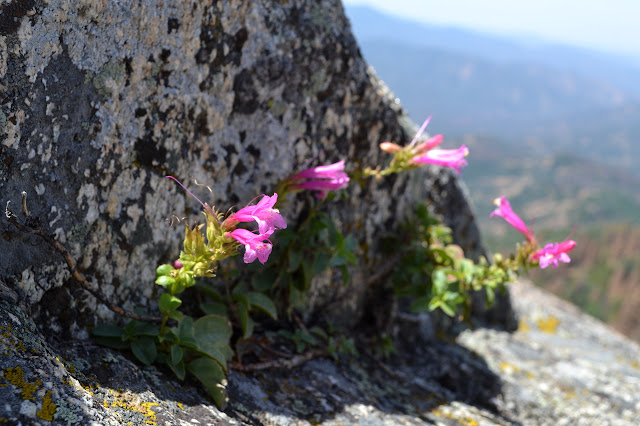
560 367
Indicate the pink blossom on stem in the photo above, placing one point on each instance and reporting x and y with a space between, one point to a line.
553 253
430 143
322 178
267 218
255 245
453 158
504 211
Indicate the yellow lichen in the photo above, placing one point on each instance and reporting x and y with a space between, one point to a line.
548 324
48 408
523 326
148 411
509 368
15 376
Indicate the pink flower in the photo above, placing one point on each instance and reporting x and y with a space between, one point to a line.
322 178
267 218
553 253
255 245
453 158
505 212
430 143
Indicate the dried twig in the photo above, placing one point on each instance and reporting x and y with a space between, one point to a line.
12 218
280 363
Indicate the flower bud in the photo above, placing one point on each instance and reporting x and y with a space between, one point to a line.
177 264
390 147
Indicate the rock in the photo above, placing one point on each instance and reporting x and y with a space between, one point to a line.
101 100
560 367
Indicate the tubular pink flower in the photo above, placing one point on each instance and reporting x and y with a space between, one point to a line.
453 158
505 212
322 178
553 253
255 245
267 218
430 143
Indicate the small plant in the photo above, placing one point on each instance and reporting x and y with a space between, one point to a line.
203 340
435 273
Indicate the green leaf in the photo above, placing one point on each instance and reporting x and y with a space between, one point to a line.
294 258
185 332
144 349
107 330
308 338
138 328
176 315
240 288
112 342
164 270
246 323
210 374
262 302
264 280
214 308
212 328
178 369
439 281
176 354
321 263
168 303
165 280
447 309
421 304
491 295
319 332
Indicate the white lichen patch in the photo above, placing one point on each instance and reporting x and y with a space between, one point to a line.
12 129
88 191
28 409
3 57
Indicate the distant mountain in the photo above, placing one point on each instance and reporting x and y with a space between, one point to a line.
469 93
541 98
558 191
622 72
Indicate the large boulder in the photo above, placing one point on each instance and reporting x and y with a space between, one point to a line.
101 100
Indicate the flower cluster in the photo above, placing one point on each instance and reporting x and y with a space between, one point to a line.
257 245
417 154
550 254
223 236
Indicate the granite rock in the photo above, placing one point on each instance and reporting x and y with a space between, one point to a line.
102 99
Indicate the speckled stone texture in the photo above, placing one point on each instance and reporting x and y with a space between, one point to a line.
101 99
560 368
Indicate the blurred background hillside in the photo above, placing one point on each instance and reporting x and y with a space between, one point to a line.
551 124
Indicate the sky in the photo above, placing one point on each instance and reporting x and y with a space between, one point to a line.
610 25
